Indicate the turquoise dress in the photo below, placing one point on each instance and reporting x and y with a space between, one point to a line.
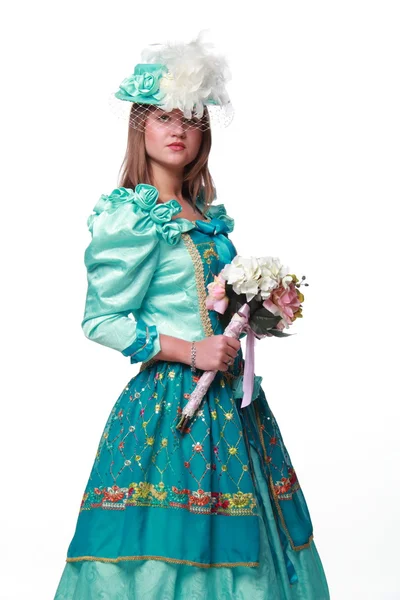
219 512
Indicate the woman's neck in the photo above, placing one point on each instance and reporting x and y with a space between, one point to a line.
168 183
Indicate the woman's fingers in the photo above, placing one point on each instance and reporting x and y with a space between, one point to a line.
232 342
231 354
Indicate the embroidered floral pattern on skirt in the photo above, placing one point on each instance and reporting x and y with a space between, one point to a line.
222 498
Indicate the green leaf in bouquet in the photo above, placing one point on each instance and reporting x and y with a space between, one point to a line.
254 305
232 308
263 312
263 324
237 301
279 333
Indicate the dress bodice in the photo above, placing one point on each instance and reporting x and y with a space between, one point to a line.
148 272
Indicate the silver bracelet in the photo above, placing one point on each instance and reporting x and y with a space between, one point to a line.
193 358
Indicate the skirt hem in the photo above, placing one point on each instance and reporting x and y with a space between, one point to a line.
163 559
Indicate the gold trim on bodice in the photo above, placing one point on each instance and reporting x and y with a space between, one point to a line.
200 283
201 292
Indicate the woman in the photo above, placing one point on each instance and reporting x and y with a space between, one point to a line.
218 512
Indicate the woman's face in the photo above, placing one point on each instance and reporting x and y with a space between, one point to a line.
166 128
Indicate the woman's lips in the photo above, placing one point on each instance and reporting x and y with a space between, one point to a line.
176 147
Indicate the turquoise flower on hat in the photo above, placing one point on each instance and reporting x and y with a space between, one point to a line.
143 85
146 84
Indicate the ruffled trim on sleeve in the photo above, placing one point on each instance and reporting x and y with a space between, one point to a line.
146 344
144 202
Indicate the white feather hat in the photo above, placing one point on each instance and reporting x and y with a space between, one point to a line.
174 75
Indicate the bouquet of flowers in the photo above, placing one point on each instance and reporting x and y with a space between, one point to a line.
253 295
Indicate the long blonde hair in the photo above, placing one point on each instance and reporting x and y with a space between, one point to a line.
136 167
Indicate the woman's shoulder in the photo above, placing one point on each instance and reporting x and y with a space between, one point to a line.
136 210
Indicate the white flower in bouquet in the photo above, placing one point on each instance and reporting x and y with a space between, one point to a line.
243 274
273 275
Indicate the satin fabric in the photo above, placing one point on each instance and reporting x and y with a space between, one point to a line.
229 476
135 243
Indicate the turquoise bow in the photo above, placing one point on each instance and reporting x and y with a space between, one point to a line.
212 227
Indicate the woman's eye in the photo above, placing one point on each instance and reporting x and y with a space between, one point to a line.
191 121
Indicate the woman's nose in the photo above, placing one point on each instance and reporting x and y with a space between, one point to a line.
177 126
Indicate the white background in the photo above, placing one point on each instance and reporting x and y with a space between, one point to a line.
309 169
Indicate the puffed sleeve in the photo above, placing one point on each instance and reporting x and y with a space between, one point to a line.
120 260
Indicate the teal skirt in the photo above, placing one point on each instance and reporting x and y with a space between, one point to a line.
215 513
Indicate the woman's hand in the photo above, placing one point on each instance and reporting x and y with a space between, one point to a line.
214 352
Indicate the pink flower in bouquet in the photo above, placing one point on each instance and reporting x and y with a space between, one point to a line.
284 302
217 299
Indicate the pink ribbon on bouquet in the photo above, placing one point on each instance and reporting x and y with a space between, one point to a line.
248 375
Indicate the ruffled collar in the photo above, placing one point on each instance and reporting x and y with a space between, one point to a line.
145 196
219 222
